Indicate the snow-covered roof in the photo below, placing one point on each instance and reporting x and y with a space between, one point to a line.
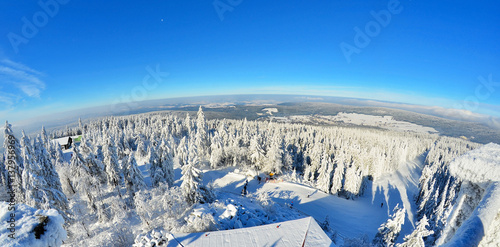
65 140
62 141
301 232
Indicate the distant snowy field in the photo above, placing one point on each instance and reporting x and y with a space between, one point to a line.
385 122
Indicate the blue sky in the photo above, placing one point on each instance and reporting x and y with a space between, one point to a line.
91 53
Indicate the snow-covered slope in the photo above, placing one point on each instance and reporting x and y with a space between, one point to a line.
401 184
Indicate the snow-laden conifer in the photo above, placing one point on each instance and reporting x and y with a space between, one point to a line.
416 238
112 167
166 162
156 172
325 174
134 180
274 157
389 231
191 180
201 137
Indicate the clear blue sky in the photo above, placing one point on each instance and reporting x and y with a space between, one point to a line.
90 53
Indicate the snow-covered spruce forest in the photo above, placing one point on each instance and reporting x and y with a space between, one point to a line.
102 194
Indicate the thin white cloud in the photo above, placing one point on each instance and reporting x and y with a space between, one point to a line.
19 81
8 98
20 66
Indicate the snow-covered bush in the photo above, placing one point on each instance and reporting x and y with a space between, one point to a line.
152 238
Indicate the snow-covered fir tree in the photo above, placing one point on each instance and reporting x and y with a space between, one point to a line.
156 170
166 162
416 238
182 152
32 183
274 157
217 155
389 231
141 148
201 137
325 174
188 125
134 180
56 197
113 171
83 182
256 151
191 180
95 166
338 177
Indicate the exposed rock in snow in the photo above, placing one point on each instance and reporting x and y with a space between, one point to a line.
34 228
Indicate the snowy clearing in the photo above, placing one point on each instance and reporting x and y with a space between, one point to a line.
270 110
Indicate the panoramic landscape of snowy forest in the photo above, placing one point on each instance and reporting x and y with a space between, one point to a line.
151 179
224 123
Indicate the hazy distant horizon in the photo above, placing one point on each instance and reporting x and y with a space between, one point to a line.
71 117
